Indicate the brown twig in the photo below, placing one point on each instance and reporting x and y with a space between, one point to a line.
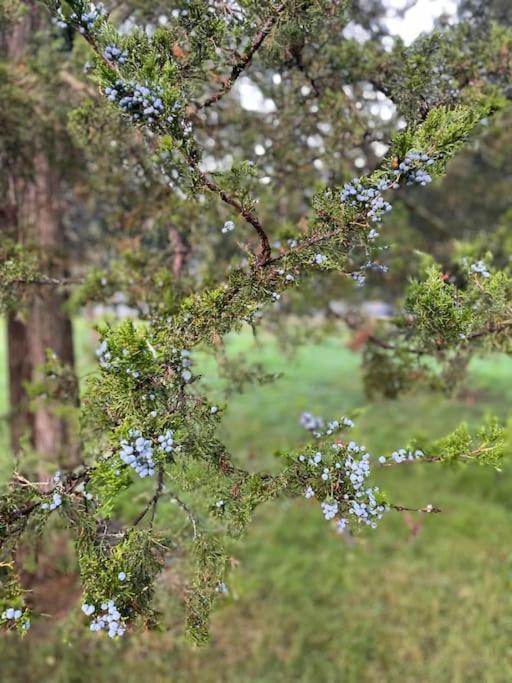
494 329
186 510
299 63
47 281
377 341
246 58
249 216
428 509
153 501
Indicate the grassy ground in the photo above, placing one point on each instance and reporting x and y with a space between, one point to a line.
432 603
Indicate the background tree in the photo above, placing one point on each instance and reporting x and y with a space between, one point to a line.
35 155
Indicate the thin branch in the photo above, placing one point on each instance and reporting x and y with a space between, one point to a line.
416 461
68 486
469 455
377 341
299 63
249 216
428 509
244 61
186 510
495 329
303 244
153 501
47 281
158 493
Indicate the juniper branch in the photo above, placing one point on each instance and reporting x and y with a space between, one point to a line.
244 61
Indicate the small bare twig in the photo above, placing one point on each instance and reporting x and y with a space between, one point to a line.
428 509
153 501
186 510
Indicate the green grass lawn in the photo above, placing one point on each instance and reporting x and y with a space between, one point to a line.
429 605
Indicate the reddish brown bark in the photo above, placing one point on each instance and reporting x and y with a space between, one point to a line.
180 252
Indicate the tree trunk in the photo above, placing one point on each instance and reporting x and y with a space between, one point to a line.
20 371
34 213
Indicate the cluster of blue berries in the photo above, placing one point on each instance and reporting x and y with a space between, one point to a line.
370 198
368 510
479 268
330 509
333 425
12 613
364 504
401 456
140 102
14 616
107 362
315 424
114 54
109 619
138 454
228 226
376 267
55 503
56 500
411 168
311 422
358 277
182 364
345 470
309 492
319 259
166 441
88 17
